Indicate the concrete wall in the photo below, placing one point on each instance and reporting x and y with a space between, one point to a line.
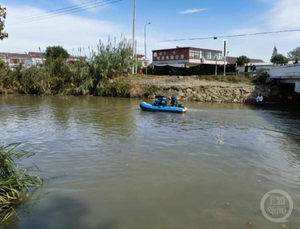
285 72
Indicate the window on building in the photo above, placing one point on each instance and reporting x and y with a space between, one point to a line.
192 53
167 57
182 56
160 53
165 53
197 54
209 55
162 58
204 55
172 57
158 58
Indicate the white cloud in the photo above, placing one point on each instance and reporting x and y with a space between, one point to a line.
282 15
70 31
192 11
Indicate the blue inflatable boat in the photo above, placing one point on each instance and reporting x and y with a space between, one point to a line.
150 107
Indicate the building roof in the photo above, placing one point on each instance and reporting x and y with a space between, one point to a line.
232 60
14 55
36 54
140 56
200 49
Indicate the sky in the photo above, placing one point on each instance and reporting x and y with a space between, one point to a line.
170 19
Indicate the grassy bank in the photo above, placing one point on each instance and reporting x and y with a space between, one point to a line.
13 180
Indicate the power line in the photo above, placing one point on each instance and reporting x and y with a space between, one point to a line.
57 10
236 35
65 12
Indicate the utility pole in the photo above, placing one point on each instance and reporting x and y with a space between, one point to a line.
225 55
145 36
136 58
216 70
133 37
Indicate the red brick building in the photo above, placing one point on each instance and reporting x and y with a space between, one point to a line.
186 56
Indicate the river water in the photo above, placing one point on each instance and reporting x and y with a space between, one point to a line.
108 165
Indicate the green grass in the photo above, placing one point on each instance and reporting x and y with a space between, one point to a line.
13 180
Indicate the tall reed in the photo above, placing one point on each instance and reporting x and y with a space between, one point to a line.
13 179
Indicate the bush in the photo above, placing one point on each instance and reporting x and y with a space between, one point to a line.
114 89
151 90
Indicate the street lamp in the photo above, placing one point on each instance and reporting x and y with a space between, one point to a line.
133 37
145 37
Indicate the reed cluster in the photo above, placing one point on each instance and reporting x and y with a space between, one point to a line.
13 180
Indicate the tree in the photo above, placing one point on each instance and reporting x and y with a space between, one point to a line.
242 60
55 52
279 59
295 54
275 52
3 34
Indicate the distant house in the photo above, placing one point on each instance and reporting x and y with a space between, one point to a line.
142 60
36 58
73 59
14 59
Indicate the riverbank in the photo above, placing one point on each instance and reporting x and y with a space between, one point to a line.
226 89
229 89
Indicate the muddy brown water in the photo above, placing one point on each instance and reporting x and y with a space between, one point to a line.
109 165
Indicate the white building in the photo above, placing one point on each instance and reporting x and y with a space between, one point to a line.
36 58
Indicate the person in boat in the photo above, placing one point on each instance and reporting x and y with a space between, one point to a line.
259 98
174 102
161 101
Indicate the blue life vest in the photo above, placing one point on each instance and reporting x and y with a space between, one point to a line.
161 101
174 102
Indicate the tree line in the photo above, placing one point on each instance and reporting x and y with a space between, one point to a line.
276 58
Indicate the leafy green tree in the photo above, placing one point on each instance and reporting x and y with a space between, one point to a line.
275 52
279 59
56 52
242 60
3 13
295 54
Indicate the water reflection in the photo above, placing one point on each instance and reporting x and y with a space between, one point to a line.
118 167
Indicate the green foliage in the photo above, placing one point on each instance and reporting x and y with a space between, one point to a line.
111 61
56 52
4 71
114 89
3 14
57 76
295 54
279 59
151 90
13 179
275 52
242 60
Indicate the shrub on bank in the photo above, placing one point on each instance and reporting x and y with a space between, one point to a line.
114 89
